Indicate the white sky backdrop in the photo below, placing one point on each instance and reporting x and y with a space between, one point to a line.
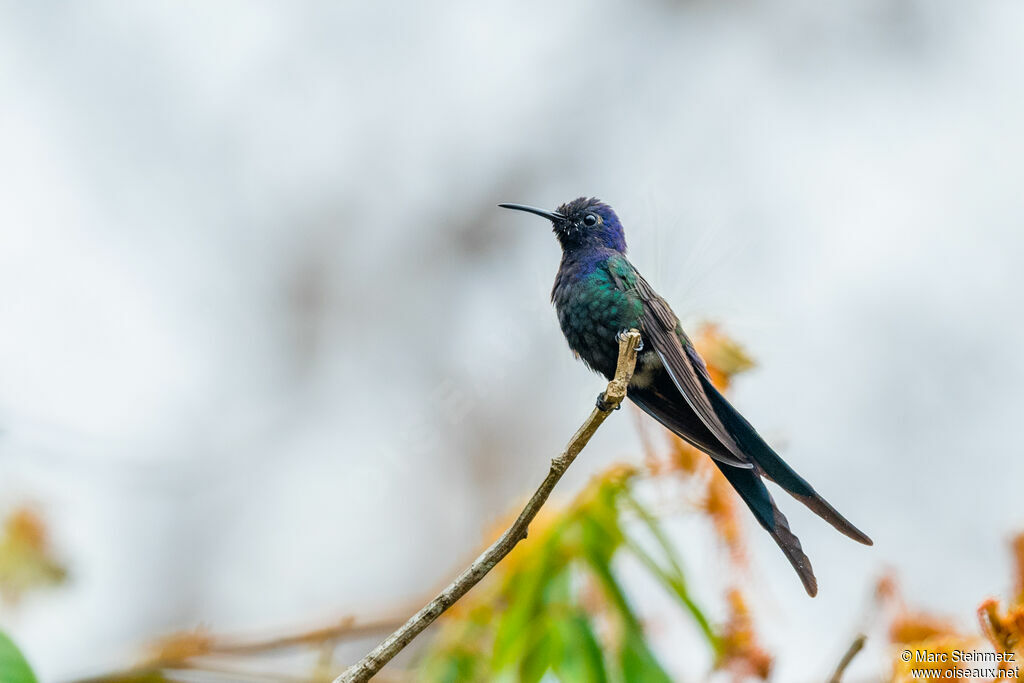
241 244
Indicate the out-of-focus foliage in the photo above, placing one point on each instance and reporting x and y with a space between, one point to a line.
916 630
557 606
181 646
13 667
724 357
919 631
1005 629
137 677
26 559
741 653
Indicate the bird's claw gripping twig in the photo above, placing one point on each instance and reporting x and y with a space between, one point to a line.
623 333
605 405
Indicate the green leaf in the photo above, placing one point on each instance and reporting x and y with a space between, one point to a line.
457 667
537 659
672 577
582 658
529 591
557 590
13 667
525 590
678 587
601 537
543 644
638 662
140 677
603 572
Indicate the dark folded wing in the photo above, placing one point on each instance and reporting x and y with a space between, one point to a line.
685 367
663 404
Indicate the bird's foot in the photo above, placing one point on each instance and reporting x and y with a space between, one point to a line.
605 405
621 333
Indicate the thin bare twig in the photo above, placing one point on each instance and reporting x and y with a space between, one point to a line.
856 646
369 665
186 649
347 628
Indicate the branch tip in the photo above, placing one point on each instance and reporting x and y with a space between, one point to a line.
629 344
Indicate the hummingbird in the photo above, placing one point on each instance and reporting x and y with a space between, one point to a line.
598 294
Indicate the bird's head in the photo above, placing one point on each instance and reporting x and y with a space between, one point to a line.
582 223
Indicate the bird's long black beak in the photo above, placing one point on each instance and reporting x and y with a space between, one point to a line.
552 216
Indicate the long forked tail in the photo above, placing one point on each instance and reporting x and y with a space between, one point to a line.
776 469
754 493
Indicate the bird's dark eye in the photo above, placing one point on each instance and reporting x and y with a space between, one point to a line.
590 220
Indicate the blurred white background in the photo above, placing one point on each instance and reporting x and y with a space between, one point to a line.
259 311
